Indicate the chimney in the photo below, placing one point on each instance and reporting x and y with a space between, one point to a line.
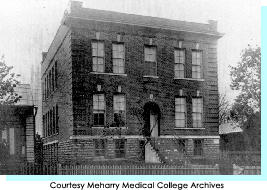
74 5
44 56
213 25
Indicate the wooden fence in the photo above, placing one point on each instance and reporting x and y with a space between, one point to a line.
246 170
138 170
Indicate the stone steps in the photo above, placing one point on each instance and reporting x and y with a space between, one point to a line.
168 150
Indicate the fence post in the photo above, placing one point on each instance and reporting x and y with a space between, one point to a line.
59 169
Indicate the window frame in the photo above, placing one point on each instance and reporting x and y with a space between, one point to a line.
97 42
185 111
124 96
200 65
104 149
178 63
198 150
104 110
147 63
120 149
202 112
123 57
180 148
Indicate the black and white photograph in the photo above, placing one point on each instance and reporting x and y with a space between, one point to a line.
130 87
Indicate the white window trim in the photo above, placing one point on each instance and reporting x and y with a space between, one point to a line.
98 41
114 74
125 116
202 113
181 112
200 65
192 128
183 50
100 126
192 79
117 58
149 47
150 76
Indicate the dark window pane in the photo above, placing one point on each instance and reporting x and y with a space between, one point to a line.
120 148
100 147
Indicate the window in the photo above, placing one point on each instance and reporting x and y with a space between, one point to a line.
57 129
42 90
119 110
11 140
196 64
99 109
198 147
98 56
50 82
182 145
51 122
45 126
100 147
197 104
53 79
180 112
150 61
48 124
120 146
56 75
179 63
43 121
54 120
118 58
45 86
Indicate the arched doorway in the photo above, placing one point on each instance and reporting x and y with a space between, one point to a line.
151 117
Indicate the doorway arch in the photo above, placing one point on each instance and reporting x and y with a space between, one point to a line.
151 117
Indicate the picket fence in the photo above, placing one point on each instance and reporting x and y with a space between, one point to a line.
148 169
138 170
33 169
246 170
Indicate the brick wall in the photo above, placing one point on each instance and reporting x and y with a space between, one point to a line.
137 88
60 53
72 50
82 151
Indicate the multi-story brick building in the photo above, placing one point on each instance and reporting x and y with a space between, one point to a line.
112 81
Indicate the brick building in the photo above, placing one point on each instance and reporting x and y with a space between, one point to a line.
113 81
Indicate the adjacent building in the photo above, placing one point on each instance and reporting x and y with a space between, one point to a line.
126 87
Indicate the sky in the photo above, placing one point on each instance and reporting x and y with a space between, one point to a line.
27 27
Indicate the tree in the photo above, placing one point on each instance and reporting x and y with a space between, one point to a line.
246 77
224 108
8 81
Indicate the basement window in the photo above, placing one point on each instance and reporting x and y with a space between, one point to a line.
100 147
120 148
198 147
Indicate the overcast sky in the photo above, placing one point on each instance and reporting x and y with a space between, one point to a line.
27 27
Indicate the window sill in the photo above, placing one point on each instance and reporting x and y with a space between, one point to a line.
148 76
198 157
101 127
201 80
200 128
114 74
109 159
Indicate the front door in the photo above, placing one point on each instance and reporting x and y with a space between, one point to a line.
153 125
